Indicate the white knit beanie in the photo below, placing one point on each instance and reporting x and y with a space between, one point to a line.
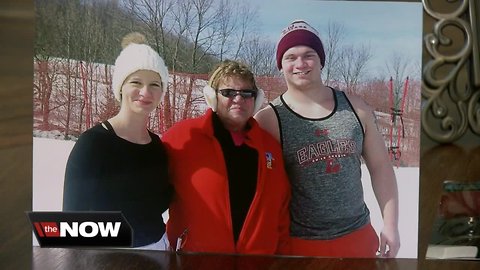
137 56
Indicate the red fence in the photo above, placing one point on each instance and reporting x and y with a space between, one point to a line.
71 96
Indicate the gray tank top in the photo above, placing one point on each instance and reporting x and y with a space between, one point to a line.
322 159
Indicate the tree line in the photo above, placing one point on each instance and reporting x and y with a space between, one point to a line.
192 35
77 41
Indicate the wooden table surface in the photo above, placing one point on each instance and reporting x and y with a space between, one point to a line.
16 54
45 258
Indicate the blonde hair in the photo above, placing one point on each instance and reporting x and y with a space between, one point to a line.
229 68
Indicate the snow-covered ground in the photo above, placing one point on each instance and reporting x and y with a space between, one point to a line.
50 157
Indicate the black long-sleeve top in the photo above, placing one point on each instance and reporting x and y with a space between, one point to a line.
107 173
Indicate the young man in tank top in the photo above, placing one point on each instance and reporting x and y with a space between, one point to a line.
324 134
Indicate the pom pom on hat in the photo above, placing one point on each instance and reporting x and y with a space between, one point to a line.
299 33
136 55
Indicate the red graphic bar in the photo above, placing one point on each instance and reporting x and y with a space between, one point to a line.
39 229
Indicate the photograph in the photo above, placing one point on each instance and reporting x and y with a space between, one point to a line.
277 127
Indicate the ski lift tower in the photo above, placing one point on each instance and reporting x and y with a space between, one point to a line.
397 129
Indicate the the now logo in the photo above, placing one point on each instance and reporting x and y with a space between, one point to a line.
76 229
104 229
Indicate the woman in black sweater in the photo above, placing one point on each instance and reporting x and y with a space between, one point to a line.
119 165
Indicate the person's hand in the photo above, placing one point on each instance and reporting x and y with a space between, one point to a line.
389 242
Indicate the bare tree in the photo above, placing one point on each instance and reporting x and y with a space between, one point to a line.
352 64
188 25
396 67
201 34
46 75
246 23
70 98
182 21
417 70
259 54
203 37
153 16
335 35
225 27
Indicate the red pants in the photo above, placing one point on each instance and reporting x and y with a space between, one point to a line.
362 243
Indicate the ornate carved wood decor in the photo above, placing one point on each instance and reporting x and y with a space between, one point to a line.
451 76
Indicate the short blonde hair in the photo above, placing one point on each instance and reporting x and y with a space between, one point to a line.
229 68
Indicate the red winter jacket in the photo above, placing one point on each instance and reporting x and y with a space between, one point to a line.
200 208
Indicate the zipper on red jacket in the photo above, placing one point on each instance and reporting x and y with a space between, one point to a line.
181 240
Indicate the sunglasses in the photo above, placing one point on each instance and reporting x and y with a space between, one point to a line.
231 93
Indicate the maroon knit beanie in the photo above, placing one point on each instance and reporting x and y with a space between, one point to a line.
299 33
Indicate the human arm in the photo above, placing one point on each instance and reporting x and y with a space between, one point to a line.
79 176
382 177
267 119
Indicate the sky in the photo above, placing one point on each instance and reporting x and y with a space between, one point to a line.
387 27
